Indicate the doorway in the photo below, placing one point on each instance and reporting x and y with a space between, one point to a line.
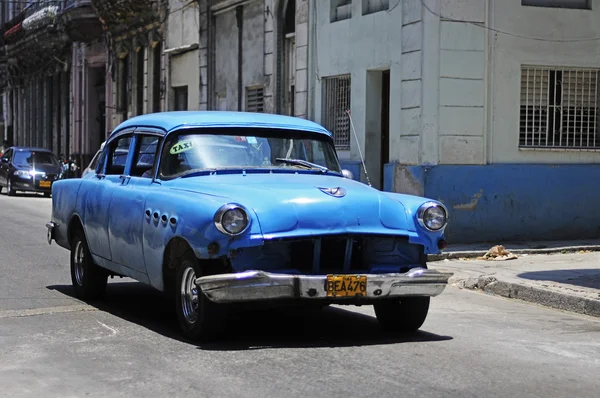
377 125
385 124
286 58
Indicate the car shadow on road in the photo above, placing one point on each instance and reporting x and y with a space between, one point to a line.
254 329
25 195
589 278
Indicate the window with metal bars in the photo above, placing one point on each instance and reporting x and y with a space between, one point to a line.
255 99
559 108
336 101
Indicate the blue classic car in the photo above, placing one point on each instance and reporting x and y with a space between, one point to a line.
221 208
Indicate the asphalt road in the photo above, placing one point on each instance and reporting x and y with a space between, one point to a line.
471 345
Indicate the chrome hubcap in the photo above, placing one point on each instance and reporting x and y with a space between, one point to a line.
78 263
189 295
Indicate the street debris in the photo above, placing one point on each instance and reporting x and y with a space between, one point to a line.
498 253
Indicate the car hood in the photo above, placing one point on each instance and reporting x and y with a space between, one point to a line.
296 203
41 167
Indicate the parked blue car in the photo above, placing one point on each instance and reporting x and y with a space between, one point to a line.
219 208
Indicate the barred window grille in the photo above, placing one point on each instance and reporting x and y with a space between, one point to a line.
255 100
559 108
336 101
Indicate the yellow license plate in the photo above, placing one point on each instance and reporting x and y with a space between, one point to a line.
45 184
346 285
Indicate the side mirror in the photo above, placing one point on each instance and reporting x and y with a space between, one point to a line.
347 174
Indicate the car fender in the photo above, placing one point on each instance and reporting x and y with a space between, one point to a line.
189 216
65 204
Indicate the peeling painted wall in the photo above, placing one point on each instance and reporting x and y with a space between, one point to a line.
253 47
226 56
514 202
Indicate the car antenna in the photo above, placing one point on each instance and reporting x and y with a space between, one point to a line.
358 146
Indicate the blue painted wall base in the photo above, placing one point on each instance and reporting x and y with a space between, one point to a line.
508 202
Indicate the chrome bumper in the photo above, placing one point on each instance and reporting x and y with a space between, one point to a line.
50 225
260 285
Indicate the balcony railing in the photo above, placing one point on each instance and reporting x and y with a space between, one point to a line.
119 14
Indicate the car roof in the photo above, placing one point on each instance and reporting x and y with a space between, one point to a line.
169 121
27 148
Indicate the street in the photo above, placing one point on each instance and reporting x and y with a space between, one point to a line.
472 345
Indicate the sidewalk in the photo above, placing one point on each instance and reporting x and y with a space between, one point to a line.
479 249
562 275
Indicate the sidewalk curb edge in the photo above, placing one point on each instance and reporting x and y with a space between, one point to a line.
479 253
545 297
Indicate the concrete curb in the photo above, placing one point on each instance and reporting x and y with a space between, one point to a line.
479 253
533 294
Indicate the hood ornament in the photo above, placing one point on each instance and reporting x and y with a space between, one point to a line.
337 192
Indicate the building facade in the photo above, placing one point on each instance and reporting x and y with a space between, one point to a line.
489 106
134 35
247 55
43 94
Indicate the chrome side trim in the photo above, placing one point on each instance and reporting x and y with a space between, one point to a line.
260 285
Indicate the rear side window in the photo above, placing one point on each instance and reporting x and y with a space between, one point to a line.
117 155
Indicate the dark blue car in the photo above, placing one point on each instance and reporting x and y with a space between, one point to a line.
29 170
221 208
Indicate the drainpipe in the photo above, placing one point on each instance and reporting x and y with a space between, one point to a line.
239 13
312 23
199 54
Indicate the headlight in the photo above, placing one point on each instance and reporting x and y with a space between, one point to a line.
432 216
231 219
22 174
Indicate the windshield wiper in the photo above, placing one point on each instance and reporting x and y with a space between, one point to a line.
304 163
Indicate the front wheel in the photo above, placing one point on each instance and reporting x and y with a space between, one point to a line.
402 315
9 188
89 280
199 318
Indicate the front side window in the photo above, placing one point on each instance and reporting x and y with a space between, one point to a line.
6 155
246 148
144 156
31 158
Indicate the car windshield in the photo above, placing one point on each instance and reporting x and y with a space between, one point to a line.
29 158
247 148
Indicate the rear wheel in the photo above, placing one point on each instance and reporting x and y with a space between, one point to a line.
402 315
199 318
89 280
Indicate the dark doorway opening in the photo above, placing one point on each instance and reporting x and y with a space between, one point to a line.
385 123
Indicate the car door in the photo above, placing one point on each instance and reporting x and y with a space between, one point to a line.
97 193
4 166
127 211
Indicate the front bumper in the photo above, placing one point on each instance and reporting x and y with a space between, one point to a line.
261 285
29 186
50 225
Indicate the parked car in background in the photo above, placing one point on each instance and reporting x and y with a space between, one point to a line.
29 170
221 208
91 168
